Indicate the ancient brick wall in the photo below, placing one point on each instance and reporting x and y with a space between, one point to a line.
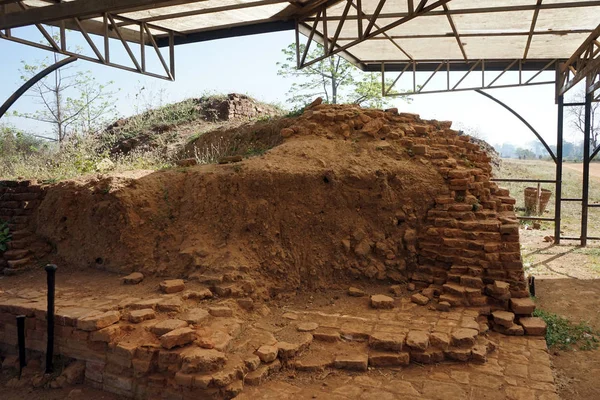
467 247
239 106
18 202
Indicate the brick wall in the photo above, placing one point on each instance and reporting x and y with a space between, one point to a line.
18 202
467 247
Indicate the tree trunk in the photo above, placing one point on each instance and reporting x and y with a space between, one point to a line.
333 81
59 121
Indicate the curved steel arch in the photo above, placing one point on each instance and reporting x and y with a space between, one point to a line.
27 85
531 128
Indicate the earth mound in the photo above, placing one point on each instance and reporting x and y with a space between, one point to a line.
178 124
349 193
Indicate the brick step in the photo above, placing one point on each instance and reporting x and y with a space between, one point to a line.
463 345
19 244
16 254
16 264
454 301
236 289
17 227
21 234
455 290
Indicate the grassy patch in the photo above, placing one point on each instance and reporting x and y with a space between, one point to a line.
566 335
159 119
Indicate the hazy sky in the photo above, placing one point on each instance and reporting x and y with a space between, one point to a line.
248 65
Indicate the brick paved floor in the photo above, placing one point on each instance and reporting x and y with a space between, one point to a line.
518 370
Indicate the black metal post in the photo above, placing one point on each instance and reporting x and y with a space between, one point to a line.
51 270
559 167
586 169
21 340
531 282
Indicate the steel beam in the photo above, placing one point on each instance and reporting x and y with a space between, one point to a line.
586 169
523 120
532 28
486 10
558 32
420 10
559 169
32 81
478 66
455 32
79 9
234 31
457 65
110 27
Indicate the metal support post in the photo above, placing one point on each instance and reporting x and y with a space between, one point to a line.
51 271
586 168
559 166
21 341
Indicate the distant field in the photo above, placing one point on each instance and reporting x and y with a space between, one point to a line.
572 188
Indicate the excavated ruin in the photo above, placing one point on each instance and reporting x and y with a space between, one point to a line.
351 196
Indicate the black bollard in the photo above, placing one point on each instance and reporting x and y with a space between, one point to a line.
51 270
532 285
21 339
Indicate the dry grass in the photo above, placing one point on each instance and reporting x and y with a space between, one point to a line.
246 140
153 139
571 188
77 157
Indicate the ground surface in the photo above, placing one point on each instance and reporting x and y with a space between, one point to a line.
568 276
519 368
568 284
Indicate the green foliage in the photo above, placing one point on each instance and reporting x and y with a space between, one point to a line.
5 236
567 335
14 141
296 112
368 91
334 79
525 154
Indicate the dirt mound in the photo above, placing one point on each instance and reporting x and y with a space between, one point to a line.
175 123
349 193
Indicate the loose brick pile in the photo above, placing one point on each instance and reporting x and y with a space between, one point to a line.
18 201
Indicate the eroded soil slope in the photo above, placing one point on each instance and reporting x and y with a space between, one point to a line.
345 195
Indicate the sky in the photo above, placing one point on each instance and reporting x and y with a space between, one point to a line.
248 65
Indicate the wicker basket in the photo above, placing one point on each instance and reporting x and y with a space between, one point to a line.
531 200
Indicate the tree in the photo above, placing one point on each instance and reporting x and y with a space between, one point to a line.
525 154
578 115
333 78
70 101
